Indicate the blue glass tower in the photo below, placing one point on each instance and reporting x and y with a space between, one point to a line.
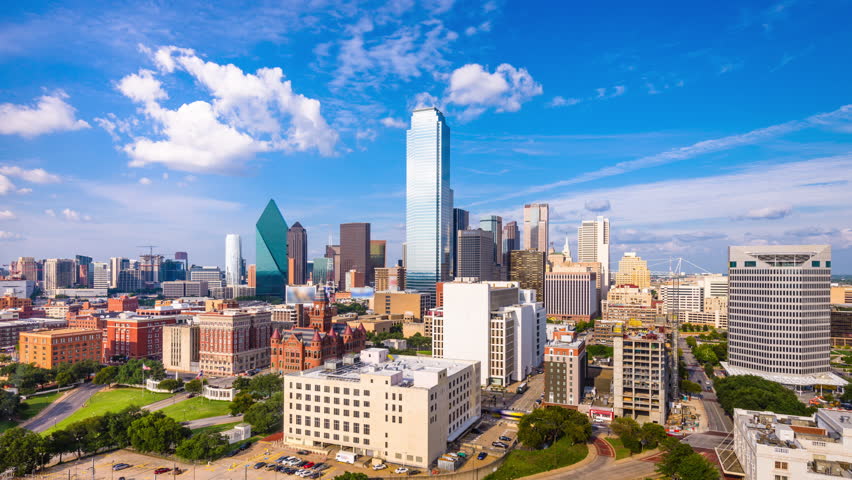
271 261
429 201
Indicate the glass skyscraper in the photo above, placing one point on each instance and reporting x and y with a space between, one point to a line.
429 201
271 252
323 270
461 220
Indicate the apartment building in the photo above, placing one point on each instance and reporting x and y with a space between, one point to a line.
564 370
48 348
403 410
11 328
641 377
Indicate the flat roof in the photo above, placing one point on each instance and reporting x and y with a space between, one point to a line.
407 365
826 378
63 331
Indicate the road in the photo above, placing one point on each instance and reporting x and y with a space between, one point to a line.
206 422
62 408
166 403
604 467
718 421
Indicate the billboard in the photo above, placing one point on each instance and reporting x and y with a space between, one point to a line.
361 292
301 294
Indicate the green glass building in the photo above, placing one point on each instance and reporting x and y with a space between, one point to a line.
323 270
271 252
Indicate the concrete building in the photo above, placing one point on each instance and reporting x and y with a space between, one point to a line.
234 341
408 304
476 255
527 267
355 251
391 279
593 240
60 309
130 335
461 221
494 224
788 345
17 288
716 304
233 259
717 320
565 365
77 293
49 348
841 328
641 377
494 323
787 447
632 270
511 241
536 227
181 347
571 296
714 285
27 268
631 306
211 275
185 288
403 410
101 275
682 298
11 328
354 279
841 294
58 273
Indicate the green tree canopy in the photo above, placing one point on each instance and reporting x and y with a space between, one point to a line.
156 433
755 393
170 384
194 386
265 385
690 388
241 403
106 376
267 416
651 434
546 425
847 394
352 476
22 450
628 430
10 404
599 351
204 446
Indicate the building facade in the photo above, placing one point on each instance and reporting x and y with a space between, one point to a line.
593 242
234 341
537 227
564 371
355 250
271 252
181 347
130 335
297 253
391 279
632 270
571 295
378 252
641 377
408 304
49 348
527 267
233 259
476 255
461 221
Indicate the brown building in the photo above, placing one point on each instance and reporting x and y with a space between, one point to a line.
355 250
48 348
564 371
391 279
130 335
378 250
841 328
123 304
409 305
528 268
252 275
303 348
355 279
8 301
234 341
297 253
90 321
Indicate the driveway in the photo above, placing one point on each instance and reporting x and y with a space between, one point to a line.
62 408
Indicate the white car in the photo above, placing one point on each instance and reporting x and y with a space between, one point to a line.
401 470
380 466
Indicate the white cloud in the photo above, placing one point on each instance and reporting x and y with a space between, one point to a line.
6 185
246 116
50 212
616 91
505 90
10 235
50 114
72 215
24 191
165 175
768 213
597 205
35 175
366 134
473 30
391 122
425 99
145 181
559 101
7 215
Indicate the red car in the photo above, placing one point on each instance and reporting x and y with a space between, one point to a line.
309 465
161 471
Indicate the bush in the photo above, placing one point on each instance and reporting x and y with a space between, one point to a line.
204 446
545 426
755 393
170 384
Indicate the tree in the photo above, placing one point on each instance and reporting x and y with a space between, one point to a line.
9 405
696 467
628 431
22 450
599 351
847 394
545 426
131 373
204 446
86 435
690 388
64 378
352 476
27 377
692 342
241 383
60 442
267 416
170 384
156 433
118 424
419 342
194 386
675 453
265 385
241 403
106 376
755 393
651 434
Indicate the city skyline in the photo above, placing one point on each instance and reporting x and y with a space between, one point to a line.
672 136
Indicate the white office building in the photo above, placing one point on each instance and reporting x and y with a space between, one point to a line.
682 298
211 275
233 259
788 447
593 246
494 323
779 314
403 410
101 277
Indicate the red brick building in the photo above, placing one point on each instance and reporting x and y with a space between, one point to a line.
135 336
89 321
123 304
9 301
303 348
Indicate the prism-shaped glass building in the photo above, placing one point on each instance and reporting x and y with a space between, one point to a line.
271 252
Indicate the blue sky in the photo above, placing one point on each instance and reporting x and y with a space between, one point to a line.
692 127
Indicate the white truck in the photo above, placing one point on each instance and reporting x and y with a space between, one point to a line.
346 457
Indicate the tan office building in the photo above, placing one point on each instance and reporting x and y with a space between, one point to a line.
632 270
527 267
49 348
641 377
841 294
391 279
181 347
409 305
403 411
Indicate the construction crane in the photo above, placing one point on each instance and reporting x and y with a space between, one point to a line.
675 265
149 247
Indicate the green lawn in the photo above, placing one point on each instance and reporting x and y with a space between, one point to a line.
110 401
34 405
215 428
522 463
195 408
620 450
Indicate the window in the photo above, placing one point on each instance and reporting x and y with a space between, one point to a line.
815 263
781 465
732 264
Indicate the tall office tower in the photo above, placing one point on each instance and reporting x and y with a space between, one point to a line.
333 252
100 275
323 270
116 265
527 267
571 296
632 270
83 271
149 266
233 259
271 252
536 226
511 241
429 201
355 249
28 268
461 221
183 257
173 270
476 255
251 275
58 273
593 246
494 224
378 251
778 313
297 252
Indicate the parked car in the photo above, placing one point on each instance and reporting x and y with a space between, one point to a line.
308 465
270 467
259 465
191 395
120 466
401 470
481 456
505 439
162 470
499 445
380 466
303 452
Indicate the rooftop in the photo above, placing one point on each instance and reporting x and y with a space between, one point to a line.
63 331
826 378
